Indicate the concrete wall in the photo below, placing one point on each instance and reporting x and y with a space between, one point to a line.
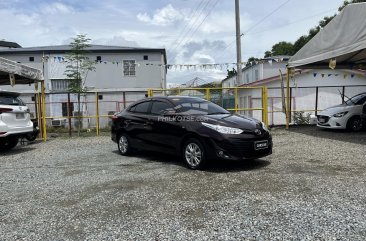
304 98
108 75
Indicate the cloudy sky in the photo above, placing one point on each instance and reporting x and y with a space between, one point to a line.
192 31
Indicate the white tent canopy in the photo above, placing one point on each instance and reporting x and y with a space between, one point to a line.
21 74
343 39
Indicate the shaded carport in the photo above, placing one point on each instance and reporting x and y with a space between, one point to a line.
341 44
13 73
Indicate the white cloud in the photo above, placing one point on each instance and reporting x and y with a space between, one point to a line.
56 8
162 17
116 41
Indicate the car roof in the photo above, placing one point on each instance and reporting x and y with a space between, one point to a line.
173 97
4 92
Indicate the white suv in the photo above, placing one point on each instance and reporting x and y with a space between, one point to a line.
15 120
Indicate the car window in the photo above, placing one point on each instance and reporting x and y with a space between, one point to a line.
141 107
158 107
198 107
11 100
357 100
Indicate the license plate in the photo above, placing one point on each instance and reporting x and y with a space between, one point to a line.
19 116
321 120
260 145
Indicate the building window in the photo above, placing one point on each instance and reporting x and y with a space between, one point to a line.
146 57
99 58
256 74
64 109
31 59
60 84
247 78
129 67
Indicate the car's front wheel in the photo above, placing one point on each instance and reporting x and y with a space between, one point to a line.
193 154
354 124
124 144
8 143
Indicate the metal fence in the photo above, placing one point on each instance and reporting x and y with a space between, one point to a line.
266 104
231 98
63 114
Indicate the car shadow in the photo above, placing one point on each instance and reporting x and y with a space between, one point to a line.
212 165
236 166
339 135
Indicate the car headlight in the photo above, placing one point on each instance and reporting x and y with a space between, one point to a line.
223 129
340 114
264 127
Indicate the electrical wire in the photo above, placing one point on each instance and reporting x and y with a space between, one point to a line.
196 27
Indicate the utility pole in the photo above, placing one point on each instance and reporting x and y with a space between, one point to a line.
238 43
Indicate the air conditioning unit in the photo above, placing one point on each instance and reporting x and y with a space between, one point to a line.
58 122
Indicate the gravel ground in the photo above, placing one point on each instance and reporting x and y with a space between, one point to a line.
311 188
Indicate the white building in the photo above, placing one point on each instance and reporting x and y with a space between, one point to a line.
122 75
312 89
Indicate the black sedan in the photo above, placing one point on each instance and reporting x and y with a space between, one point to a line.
196 129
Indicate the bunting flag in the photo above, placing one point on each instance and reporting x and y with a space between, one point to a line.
315 74
322 75
12 80
332 63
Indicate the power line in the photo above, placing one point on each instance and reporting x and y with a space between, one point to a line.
267 16
191 16
256 24
300 20
191 23
196 27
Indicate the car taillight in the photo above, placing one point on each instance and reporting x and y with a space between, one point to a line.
114 117
2 110
2 133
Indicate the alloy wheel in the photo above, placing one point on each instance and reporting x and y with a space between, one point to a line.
123 144
193 154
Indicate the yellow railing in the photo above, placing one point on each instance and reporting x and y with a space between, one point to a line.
208 94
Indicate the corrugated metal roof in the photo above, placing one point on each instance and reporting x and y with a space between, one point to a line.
58 49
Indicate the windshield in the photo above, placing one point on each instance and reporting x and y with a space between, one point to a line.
11 100
356 100
195 106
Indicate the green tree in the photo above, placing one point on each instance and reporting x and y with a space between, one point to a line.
283 48
78 68
251 60
267 54
231 73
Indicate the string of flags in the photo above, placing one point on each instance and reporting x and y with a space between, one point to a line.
336 75
220 66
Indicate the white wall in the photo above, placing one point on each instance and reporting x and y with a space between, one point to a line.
304 98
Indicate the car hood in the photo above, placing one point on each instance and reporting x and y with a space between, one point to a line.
233 121
336 109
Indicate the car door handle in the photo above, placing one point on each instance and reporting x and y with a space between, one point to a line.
147 123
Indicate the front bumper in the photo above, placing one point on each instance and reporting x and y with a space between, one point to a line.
331 122
239 149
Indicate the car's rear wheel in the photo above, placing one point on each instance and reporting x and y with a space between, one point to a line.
8 143
124 144
194 154
354 124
